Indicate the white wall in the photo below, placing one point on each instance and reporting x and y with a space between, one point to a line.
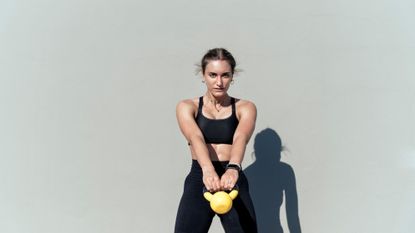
88 135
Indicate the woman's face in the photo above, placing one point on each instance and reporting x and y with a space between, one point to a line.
218 77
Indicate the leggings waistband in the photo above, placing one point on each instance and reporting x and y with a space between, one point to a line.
218 165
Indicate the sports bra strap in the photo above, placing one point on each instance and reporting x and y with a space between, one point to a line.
200 105
233 105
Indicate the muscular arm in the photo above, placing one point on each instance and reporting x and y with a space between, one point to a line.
243 133
185 111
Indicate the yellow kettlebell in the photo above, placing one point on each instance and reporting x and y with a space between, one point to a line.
221 201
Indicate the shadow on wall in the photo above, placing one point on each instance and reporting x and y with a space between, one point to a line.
269 180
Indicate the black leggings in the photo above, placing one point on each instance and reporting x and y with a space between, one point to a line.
195 215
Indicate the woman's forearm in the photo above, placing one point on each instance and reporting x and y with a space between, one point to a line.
202 153
238 149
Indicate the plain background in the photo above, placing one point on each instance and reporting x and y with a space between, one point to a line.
88 136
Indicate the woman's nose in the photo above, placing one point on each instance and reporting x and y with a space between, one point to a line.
219 81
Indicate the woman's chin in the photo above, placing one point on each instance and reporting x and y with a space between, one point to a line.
219 94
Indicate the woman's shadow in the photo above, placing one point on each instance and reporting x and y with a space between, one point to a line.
269 181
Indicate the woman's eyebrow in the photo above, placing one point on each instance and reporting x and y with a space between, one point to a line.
224 73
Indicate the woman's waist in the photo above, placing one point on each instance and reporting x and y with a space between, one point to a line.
217 152
215 158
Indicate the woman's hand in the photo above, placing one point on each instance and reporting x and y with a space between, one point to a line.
211 180
229 179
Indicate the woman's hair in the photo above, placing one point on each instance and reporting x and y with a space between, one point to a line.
215 55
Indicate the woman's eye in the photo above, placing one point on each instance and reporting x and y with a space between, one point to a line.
212 75
227 76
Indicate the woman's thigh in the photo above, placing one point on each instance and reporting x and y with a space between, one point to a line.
241 218
194 214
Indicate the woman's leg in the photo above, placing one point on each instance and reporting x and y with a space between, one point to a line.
194 214
241 218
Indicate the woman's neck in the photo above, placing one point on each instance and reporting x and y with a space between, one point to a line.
217 100
218 103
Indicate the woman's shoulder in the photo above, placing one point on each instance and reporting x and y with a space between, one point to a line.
188 103
244 104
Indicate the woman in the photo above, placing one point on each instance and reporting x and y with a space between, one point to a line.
217 128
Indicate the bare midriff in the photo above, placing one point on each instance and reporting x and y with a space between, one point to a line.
217 152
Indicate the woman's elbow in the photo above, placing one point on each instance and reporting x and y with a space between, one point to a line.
194 139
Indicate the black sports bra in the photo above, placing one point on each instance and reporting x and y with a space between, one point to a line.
217 131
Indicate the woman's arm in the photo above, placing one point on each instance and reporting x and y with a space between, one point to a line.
246 126
185 112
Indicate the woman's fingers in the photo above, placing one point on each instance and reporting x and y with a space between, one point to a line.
211 182
229 179
226 182
216 184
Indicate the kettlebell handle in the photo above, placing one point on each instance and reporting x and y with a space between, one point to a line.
236 187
